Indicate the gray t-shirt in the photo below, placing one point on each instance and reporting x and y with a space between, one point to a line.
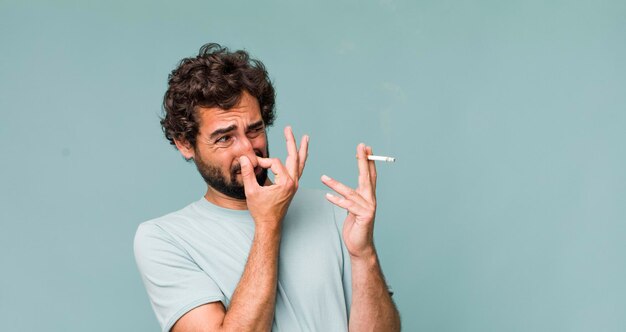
197 255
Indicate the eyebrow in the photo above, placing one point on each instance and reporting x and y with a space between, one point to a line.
255 125
221 131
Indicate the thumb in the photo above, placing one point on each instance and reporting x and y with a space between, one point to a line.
247 174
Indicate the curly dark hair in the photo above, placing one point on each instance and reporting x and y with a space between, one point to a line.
216 77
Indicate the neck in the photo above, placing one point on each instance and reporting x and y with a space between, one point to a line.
224 201
228 202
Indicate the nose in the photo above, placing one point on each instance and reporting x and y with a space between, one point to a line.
244 148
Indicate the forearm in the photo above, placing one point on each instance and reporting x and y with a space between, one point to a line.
252 305
372 307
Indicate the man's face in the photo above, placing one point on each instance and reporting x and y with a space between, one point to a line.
224 136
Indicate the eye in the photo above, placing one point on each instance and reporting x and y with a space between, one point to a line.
223 139
254 132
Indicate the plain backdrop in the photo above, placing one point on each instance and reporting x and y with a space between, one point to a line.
506 209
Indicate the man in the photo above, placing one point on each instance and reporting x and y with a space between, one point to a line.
251 255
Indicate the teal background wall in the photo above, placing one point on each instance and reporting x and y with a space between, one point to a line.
506 210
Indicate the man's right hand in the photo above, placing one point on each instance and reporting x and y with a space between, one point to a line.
268 204
253 302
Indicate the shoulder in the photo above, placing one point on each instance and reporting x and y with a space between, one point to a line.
156 233
174 219
315 200
311 205
310 199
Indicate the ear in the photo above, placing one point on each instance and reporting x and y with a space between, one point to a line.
185 148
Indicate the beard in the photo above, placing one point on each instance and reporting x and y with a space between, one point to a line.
228 186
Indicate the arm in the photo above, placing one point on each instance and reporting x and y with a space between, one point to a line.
252 305
372 307
253 302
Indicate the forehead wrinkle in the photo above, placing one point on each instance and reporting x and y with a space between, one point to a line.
230 122
246 111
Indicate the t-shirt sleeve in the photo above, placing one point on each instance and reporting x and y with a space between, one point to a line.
174 282
340 216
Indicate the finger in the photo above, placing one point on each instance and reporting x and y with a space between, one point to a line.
351 206
303 153
277 168
364 171
292 154
264 162
247 174
344 190
372 167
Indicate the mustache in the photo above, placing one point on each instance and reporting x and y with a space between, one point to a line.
237 167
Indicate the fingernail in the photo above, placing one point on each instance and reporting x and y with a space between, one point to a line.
325 178
329 195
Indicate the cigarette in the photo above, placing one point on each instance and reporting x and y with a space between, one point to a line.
381 158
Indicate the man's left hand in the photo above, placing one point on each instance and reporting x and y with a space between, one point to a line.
358 228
